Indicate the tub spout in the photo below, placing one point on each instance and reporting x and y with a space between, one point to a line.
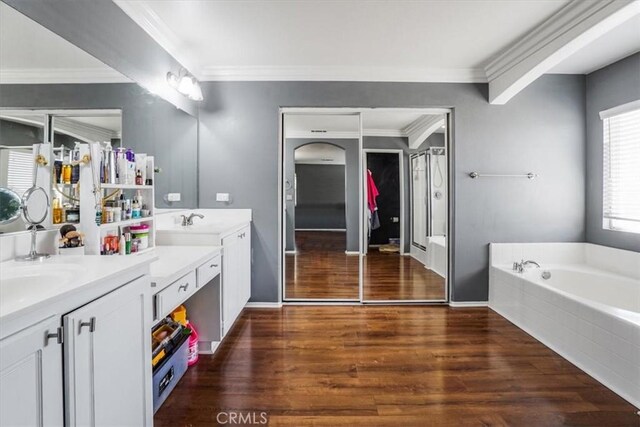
520 266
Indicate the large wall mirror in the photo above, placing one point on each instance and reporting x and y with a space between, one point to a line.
372 183
56 94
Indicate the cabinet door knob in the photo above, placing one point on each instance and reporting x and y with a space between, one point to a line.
91 324
213 265
58 336
183 287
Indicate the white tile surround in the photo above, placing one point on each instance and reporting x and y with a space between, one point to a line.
603 342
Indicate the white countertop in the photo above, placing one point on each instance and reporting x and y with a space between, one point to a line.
214 227
175 261
41 289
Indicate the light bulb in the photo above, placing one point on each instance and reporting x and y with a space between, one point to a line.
186 85
196 92
172 79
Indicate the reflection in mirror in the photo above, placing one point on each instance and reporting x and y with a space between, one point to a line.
71 129
405 257
321 196
19 130
10 206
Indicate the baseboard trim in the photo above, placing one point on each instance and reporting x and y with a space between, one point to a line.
263 305
469 303
291 252
352 252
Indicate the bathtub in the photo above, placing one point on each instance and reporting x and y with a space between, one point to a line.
587 308
437 255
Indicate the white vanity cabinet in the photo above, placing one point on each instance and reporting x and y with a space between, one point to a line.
236 275
107 359
31 376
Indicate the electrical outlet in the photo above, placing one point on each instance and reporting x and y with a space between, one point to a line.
222 197
173 197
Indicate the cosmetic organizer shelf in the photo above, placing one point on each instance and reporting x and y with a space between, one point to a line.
126 222
95 212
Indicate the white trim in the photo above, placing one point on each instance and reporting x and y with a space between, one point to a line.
322 135
321 302
61 76
567 31
353 110
468 304
422 128
342 73
620 109
251 304
384 132
352 253
143 15
83 131
291 252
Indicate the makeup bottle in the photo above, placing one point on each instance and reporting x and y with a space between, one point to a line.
57 211
139 180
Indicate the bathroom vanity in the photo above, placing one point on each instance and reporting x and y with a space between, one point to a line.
88 314
231 230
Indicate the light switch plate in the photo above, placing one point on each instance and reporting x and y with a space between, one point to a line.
222 197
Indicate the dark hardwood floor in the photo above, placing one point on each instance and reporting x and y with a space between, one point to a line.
321 269
388 366
391 276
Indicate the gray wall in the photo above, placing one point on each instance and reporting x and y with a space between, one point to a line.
434 140
149 125
608 87
13 133
321 196
541 130
351 159
397 143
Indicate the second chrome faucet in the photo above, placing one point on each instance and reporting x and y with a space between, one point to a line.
520 266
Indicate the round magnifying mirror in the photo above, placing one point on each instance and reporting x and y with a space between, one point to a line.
35 205
10 206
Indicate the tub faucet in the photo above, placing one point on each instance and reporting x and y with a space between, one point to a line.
188 220
520 266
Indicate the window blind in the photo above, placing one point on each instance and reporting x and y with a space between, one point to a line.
621 171
20 171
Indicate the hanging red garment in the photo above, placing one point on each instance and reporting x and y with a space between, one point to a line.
372 192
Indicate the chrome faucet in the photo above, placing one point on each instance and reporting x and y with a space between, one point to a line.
519 267
188 220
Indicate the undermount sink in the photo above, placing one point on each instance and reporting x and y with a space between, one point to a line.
23 282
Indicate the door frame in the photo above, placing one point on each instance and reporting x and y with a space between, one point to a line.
450 241
365 163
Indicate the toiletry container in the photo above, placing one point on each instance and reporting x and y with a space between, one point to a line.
141 233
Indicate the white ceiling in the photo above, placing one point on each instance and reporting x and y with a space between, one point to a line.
338 40
30 53
401 40
611 47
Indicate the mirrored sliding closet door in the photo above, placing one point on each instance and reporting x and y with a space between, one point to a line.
321 179
405 206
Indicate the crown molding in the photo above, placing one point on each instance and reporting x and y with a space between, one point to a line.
61 76
144 15
422 128
84 131
571 28
355 73
384 132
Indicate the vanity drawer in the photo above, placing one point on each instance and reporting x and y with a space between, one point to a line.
209 270
175 294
